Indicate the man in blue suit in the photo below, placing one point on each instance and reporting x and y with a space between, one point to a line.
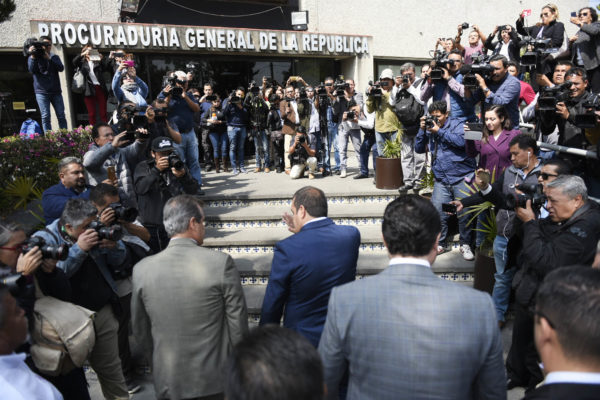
307 265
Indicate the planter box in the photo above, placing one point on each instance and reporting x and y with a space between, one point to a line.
388 173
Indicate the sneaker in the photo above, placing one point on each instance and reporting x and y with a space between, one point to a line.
311 176
132 386
343 173
360 176
235 171
243 170
467 254
441 250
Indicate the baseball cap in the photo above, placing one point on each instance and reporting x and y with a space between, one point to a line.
387 74
162 143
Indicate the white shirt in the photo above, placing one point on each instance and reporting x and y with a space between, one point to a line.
18 382
92 74
592 378
295 108
368 122
504 50
409 260
313 220
315 125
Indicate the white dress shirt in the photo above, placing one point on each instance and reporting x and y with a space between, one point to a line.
18 382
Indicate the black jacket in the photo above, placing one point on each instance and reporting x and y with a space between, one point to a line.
514 47
548 245
99 68
154 188
560 391
555 31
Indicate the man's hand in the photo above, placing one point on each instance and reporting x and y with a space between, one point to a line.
167 90
445 74
478 182
435 128
110 182
573 38
460 30
28 263
143 134
289 221
108 216
422 124
525 214
48 265
562 110
576 21
178 172
122 66
31 50
150 114
481 81
87 240
120 140
458 204
162 164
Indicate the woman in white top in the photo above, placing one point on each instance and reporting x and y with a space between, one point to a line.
92 65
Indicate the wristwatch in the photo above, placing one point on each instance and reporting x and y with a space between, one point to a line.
486 90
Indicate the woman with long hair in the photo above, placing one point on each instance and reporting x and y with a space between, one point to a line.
92 64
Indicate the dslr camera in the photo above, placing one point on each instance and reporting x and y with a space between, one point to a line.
113 232
133 118
350 115
60 252
39 48
464 25
430 121
128 214
531 191
176 91
175 162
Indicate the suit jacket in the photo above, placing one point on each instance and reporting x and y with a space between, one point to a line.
188 310
560 391
306 266
493 154
588 43
407 334
288 117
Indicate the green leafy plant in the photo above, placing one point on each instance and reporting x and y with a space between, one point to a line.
22 190
393 148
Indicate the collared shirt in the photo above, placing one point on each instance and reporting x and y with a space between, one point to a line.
409 260
18 382
590 378
184 238
314 220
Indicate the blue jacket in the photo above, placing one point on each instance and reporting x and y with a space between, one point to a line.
235 116
451 163
505 93
140 94
45 74
306 266
55 197
181 116
30 127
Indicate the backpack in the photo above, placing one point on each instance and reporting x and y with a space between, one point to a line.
407 108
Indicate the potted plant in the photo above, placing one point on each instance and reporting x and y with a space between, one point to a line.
388 173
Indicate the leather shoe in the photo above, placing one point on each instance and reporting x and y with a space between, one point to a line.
326 173
360 176
200 192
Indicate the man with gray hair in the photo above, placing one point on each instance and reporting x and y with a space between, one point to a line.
568 236
71 185
188 307
88 267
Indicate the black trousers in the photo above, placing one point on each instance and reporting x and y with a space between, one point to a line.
522 363
123 336
159 239
277 140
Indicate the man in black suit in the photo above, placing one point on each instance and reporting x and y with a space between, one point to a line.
567 328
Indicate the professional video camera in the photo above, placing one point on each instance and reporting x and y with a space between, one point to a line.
39 48
253 88
376 88
131 119
113 232
211 97
540 48
441 60
235 100
530 191
175 161
176 91
430 120
128 214
549 96
191 67
587 120
60 252
481 66
160 114
340 86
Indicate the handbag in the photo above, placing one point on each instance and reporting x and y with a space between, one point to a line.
78 84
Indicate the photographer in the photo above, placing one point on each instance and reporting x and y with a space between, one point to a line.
45 66
213 121
275 126
236 116
94 252
127 86
258 111
72 185
111 210
584 47
525 169
157 180
568 237
378 101
367 125
450 88
349 129
325 106
182 106
476 39
501 88
158 124
569 134
451 167
110 157
288 110
302 154
93 66
406 100
508 43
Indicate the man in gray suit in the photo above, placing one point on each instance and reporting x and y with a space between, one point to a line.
188 308
405 333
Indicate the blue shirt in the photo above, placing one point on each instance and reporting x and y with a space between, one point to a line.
55 198
45 74
460 108
180 113
505 93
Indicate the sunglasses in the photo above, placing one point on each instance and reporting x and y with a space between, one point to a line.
545 15
585 14
545 176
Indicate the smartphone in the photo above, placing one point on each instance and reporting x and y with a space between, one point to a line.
118 54
293 78
449 208
484 176
574 14
112 173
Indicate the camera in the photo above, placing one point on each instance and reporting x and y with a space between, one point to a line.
160 114
464 25
39 48
175 161
235 100
350 115
540 48
430 121
302 139
480 66
302 94
211 97
376 89
176 91
191 67
549 96
340 86
405 79
531 191
131 119
128 214
587 120
441 60
113 232
502 28
48 251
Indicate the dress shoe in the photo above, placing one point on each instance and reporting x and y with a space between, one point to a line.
200 192
326 173
279 170
360 176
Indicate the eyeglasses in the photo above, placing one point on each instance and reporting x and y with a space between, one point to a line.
545 176
585 14
541 314
17 248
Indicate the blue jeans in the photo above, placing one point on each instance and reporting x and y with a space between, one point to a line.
219 144
188 151
443 193
381 137
237 138
261 145
44 101
367 145
503 277
331 144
